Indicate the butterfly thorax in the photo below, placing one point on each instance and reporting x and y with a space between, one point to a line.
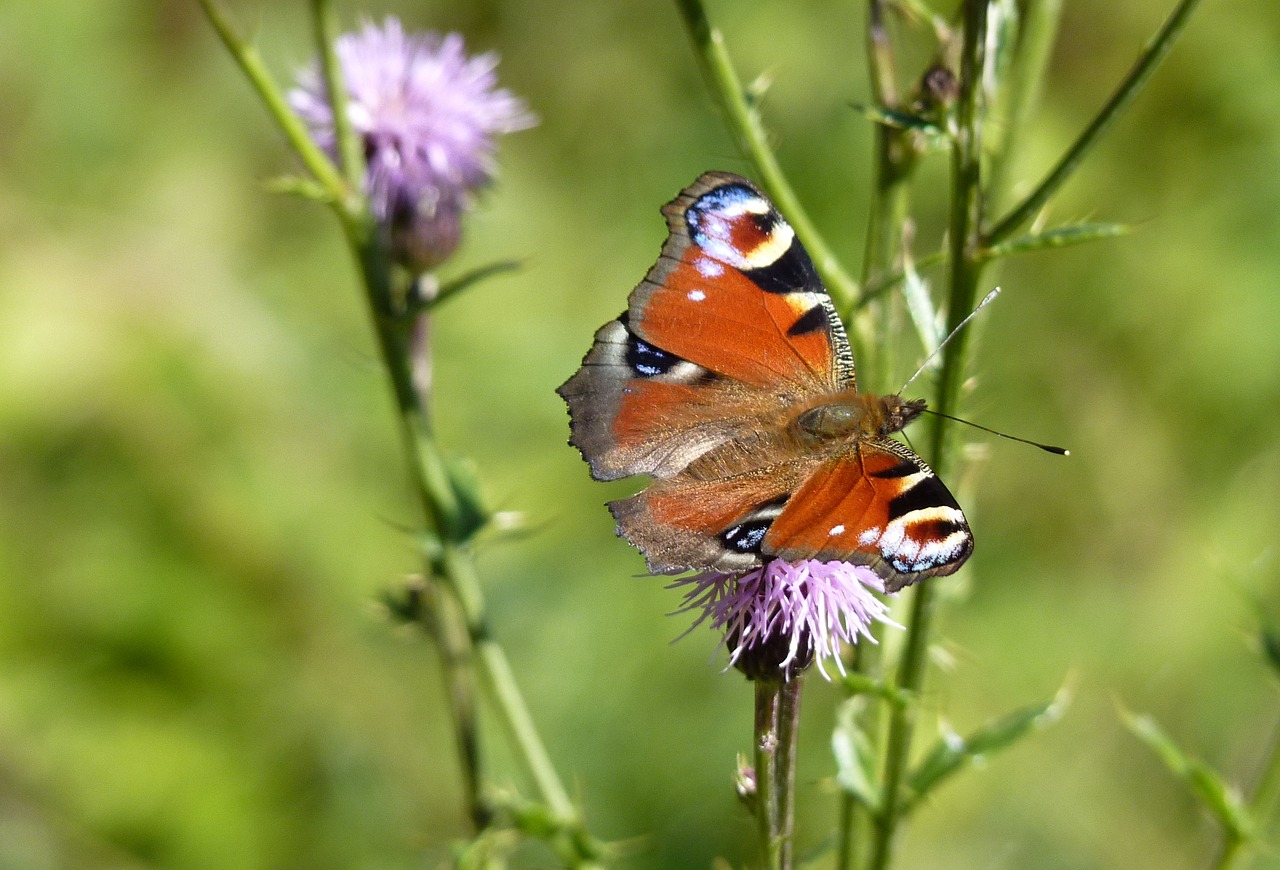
855 415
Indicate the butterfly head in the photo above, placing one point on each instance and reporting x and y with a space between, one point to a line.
899 412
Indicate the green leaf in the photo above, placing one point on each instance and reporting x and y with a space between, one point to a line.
899 120
921 308
855 757
954 752
1219 798
452 288
1003 26
859 684
1060 237
471 515
297 186
1269 640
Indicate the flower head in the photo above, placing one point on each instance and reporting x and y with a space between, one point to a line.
780 617
427 115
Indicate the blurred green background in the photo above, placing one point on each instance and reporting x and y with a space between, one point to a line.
201 495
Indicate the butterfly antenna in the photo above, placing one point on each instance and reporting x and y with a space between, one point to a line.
959 326
1048 448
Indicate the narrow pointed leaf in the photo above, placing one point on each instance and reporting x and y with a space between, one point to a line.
920 306
1003 25
472 514
899 120
1269 640
860 684
449 289
954 752
1060 237
1205 783
855 757
297 186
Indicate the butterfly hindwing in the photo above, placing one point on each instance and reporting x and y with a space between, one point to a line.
879 506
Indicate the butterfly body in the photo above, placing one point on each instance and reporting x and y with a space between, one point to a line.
729 381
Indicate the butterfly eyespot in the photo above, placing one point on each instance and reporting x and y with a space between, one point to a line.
746 537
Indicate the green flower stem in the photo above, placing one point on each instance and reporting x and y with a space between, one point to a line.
346 199
439 504
1261 806
788 745
890 194
965 271
1120 100
889 206
350 153
1267 791
748 130
502 684
1230 855
458 659
965 248
1023 84
448 557
768 700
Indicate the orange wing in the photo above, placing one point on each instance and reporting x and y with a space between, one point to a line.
730 327
879 506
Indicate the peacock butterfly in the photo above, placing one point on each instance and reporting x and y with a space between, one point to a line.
729 381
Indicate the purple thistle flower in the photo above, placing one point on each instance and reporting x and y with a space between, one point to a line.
427 115
778 618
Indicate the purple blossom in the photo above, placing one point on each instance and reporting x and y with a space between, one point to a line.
778 618
428 115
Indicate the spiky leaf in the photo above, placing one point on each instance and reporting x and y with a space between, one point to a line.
1217 797
1059 237
855 758
954 752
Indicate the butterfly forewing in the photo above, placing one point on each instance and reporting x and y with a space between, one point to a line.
729 327
735 292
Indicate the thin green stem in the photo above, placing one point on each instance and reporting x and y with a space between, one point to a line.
439 505
911 673
890 195
350 154
1229 857
463 629
345 199
964 247
1267 790
1261 805
458 654
966 210
748 130
502 684
1026 75
765 736
788 745
1120 100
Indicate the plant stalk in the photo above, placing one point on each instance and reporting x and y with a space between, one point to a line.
788 746
752 140
965 269
1124 94
765 748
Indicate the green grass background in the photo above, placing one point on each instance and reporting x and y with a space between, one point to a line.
201 494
